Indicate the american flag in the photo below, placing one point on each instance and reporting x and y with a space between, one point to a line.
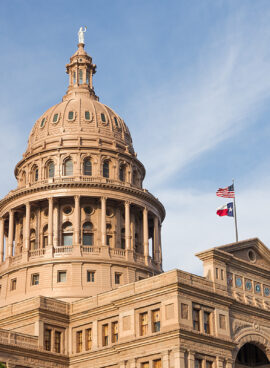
226 192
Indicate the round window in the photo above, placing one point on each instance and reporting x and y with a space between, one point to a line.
67 210
42 122
88 210
251 256
258 288
267 291
109 212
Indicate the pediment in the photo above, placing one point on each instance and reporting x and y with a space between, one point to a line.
253 251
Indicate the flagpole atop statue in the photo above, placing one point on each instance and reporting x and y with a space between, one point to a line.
235 217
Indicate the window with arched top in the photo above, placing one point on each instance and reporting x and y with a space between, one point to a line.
80 76
68 167
34 174
106 169
33 243
45 236
122 172
67 234
87 167
50 169
88 236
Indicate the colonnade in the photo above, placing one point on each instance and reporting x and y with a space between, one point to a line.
53 229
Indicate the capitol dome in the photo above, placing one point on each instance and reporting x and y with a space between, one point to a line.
80 222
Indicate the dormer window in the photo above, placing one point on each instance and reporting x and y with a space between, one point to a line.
103 118
116 122
55 118
87 115
70 115
42 122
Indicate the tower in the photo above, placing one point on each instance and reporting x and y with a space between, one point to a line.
79 222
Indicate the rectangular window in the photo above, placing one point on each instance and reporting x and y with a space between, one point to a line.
157 363
143 323
109 240
47 339
90 276
13 284
115 332
221 274
88 339
74 77
81 76
209 364
87 239
61 276
67 239
70 115
207 322
198 363
117 278
156 320
35 279
55 118
196 319
216 273
57 341
105 335
79 341
145 365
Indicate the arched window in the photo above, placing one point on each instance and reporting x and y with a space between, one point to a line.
33 243
106 169
45 236
87 167
80 76
34 174
68 167
67 233
50 169
23 178
88 236
122 172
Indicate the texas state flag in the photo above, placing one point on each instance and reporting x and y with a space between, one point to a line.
226 210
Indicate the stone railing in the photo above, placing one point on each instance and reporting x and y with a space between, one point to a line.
16 259
37 252
118 252
90 249
19 339
65 249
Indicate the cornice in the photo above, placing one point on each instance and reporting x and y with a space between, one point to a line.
139 193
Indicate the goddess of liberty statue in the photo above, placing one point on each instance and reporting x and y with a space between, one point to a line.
81 34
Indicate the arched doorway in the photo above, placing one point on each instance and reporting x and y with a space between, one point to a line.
250 355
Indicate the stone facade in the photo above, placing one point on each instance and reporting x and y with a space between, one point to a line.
81 259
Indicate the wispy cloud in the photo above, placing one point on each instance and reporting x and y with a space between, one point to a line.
229 85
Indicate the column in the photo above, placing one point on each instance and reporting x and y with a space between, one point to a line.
132 229
127 224
179 358
77 213
145 234
27 226
50 222
165 360
156 240
10 232
2 223
56 225
191 359
103 221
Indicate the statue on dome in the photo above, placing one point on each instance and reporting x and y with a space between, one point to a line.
81 34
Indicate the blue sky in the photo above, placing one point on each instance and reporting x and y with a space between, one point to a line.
192 81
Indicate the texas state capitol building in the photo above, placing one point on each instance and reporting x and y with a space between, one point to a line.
79 287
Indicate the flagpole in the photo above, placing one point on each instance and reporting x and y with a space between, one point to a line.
235 218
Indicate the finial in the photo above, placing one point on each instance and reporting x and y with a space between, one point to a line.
81 34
